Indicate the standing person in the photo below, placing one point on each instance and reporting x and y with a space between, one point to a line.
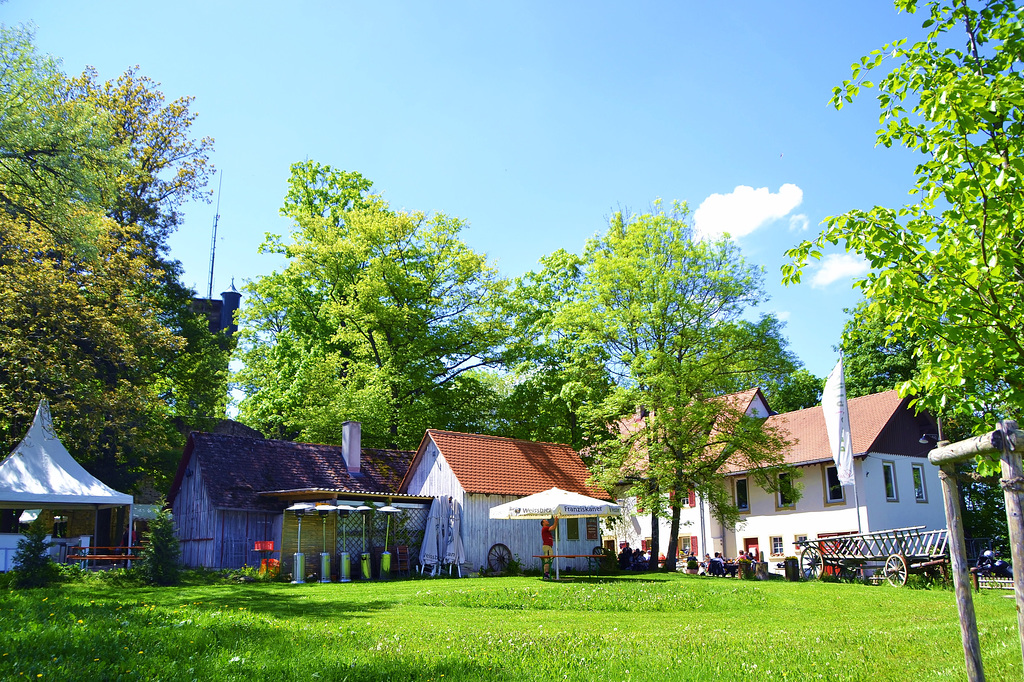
547 540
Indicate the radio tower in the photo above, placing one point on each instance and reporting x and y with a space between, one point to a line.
213 241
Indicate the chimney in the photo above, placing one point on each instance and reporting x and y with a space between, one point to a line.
351 445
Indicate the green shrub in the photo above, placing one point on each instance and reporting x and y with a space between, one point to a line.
161 557
32 564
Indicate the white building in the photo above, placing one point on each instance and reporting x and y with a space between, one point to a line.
896 485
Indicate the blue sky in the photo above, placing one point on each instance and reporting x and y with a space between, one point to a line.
532 121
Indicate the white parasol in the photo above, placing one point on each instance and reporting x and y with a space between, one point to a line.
454 552
429 554
555 502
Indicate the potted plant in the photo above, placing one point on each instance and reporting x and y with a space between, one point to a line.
692 566
792 566
746 569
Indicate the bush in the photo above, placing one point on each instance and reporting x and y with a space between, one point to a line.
161 557
32 564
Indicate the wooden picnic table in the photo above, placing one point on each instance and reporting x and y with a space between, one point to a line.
86 554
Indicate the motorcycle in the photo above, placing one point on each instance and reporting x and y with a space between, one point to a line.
991 566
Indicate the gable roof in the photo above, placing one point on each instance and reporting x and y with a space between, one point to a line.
41 473
881 422
505 466
238 471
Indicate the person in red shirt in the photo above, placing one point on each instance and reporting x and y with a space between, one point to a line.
547 540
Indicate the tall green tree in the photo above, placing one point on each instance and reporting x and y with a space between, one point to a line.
82 332
797 391
553 373
948 267
670 313
876 358
378 316
56 153
164 166
93 313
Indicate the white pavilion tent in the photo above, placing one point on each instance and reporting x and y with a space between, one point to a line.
41 474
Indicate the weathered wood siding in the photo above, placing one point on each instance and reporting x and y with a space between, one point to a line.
237 534
522 537
195 519
434 477
217 538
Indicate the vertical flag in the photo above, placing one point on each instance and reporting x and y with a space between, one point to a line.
837 423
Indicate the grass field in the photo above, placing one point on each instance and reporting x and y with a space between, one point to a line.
646 627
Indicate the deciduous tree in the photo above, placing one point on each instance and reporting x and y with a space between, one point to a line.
948 267
378 316
670 314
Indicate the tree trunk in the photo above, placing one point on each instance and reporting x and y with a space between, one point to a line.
655 539
673 542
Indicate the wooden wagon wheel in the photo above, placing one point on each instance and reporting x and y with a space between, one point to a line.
896 569
498 558
810 563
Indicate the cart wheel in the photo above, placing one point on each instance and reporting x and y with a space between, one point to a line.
599 550
498 558
810 563
896 569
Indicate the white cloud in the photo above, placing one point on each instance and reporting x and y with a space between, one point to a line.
783 315
744 210
798 223
837 266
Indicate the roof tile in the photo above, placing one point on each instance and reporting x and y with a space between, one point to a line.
506 466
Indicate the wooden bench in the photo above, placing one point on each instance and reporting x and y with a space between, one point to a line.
84 555
593 560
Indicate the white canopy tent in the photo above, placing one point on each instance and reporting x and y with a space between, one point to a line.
41 474
554 502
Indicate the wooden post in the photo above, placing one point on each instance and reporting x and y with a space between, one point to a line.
961 575
1002 440
1013 492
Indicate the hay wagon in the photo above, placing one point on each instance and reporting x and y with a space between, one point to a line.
897 553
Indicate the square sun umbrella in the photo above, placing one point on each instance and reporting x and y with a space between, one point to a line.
554 502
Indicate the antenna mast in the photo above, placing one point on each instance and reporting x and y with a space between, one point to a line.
213 241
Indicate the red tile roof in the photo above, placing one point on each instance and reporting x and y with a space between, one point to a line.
506 466
881 423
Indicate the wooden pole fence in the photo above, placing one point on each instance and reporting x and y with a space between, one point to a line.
1004 441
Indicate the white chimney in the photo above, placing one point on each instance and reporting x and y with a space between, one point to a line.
351 444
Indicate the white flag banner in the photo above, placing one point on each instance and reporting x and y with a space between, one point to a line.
837 423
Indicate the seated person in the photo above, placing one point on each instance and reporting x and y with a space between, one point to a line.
639 562
625 556
716 565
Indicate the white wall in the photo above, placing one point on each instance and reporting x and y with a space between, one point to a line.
433 476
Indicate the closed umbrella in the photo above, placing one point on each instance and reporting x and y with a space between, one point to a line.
429 555
454 552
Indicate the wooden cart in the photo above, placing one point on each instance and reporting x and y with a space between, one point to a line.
897 553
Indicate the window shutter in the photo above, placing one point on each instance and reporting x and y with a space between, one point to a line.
693 544
693 498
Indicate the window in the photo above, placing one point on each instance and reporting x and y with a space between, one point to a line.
889 478
833 488
799 541
777 549
920 494
784 498
572 529
742 496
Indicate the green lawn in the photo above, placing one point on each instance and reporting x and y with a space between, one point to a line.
657 627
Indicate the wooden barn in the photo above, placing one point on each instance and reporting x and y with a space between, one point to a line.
484 471
230 492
